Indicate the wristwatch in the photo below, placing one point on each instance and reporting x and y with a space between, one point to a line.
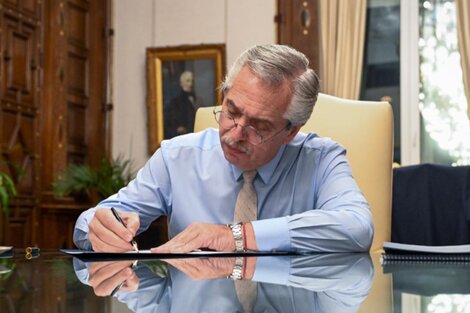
237 233
237 272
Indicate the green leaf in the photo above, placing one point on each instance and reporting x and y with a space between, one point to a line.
8 183
7 191
4 199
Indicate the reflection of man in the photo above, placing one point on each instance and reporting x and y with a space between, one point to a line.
179 114
302 192
315 283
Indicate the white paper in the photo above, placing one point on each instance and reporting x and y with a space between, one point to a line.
456 249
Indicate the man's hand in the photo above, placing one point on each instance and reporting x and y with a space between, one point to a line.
105 277
210 268
108 235
200 235
202 268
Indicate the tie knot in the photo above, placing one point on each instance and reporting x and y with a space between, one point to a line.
249 176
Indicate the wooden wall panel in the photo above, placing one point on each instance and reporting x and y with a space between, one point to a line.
20 150
76 74
20 227
20 55
97 107
57 226
76 124
52 100
77 28
13 3
19 114
69 59
298 27
78 79
31 7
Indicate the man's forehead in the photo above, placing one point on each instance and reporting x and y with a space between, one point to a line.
233 106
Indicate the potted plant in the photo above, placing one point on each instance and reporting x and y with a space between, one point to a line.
81 180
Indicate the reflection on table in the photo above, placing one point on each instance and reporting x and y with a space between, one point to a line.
43 283
55 282
430 287
313 283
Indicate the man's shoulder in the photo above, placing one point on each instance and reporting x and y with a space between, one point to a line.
312 141
207 139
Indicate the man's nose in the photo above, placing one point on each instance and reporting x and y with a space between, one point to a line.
238 133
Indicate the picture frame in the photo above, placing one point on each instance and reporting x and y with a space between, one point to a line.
179 80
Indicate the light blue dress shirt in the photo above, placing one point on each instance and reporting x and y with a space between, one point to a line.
307 197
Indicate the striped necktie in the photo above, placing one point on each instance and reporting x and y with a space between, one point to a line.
246 211
246 206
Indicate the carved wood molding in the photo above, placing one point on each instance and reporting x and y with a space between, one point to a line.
298 26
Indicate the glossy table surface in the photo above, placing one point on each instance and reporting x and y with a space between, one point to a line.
55 282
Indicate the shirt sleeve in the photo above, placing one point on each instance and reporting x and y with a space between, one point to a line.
341 220
149 195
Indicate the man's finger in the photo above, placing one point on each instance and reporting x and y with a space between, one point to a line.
131 284
106 244
196 236
108 285
98 274
131 219
94 267
175 246
107 219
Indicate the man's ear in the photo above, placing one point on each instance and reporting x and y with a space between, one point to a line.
292 132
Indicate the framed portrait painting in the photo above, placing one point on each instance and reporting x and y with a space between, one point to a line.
180 80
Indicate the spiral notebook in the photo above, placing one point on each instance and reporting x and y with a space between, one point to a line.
409 253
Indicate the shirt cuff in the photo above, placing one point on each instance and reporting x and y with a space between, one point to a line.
80 234
272 234
80 239
273 270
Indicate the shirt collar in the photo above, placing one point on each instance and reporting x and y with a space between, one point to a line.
266 171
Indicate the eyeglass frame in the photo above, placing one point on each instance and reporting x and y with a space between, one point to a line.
235 124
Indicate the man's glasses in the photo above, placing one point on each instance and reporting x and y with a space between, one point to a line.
253 136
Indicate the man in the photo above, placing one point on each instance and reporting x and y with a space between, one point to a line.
306 196
180 113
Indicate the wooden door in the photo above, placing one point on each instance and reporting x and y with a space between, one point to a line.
298 26
20 48
73 104
52 114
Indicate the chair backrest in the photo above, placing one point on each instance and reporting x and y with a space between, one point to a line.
365 129
431 205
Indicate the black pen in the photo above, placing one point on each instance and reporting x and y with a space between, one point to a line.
116 289
116 215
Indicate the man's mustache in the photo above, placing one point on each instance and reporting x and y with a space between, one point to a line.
235 144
